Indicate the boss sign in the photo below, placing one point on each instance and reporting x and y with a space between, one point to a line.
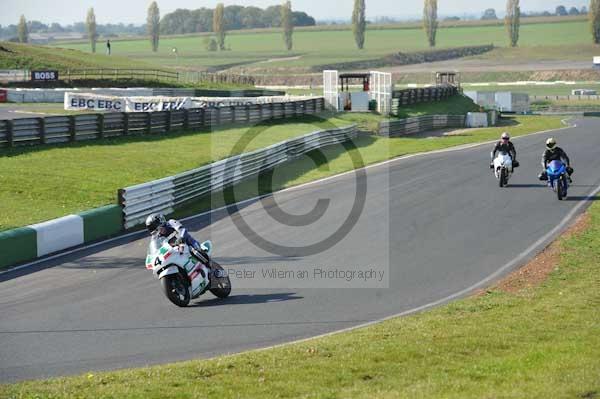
44 76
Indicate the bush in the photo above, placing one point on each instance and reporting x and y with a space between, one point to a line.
211 44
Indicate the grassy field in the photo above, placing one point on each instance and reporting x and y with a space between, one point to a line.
20 56
537 342
313 47
29 188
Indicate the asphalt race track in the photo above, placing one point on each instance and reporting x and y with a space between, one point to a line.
440 220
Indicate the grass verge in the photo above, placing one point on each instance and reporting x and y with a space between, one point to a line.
86 175
537 342
456 105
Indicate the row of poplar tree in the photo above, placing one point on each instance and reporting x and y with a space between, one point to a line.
359 24
512 21
153 26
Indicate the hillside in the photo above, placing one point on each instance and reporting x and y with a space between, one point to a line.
264 53
27 56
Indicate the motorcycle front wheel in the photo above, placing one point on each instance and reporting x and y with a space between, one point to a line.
176 289
561 188
221 286
502 182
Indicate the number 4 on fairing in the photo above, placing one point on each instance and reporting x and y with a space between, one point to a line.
183 275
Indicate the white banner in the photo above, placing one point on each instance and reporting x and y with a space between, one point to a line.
218 102
94 102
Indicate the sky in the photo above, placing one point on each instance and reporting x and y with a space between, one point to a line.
134 11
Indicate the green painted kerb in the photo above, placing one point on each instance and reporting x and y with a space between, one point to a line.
101 222
18 245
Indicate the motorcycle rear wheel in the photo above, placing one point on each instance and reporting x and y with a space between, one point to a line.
219 287
176 290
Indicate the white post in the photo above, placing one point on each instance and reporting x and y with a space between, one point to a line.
331 90
381 91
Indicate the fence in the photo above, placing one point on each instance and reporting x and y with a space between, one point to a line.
71 128
14 75
420 124
138 74
222 78
165 194
421 95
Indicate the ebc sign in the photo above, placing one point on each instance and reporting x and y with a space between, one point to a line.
88 101
44 76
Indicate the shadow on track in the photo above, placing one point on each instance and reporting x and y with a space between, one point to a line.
577 198
247 299
511 185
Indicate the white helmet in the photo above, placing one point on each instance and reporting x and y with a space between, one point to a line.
550 143
505 136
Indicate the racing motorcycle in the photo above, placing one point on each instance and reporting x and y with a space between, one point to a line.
557 177
503 168
184 273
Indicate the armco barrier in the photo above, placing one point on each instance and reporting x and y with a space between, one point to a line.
72 128
420 124
165 194
421 95
31 242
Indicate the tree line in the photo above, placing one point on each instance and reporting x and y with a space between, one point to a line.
183 21
512 20
560 11
217 21
10 32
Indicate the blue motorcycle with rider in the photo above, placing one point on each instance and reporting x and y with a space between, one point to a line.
557 169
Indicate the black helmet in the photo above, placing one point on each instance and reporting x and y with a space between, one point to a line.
154 221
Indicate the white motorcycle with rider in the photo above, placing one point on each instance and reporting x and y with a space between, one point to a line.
182 264
504 159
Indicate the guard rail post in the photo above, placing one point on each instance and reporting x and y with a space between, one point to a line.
168 122
72 131
203 117
186 119
125 123
100 125
148 122
247 114
232 117
42 127
9 133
